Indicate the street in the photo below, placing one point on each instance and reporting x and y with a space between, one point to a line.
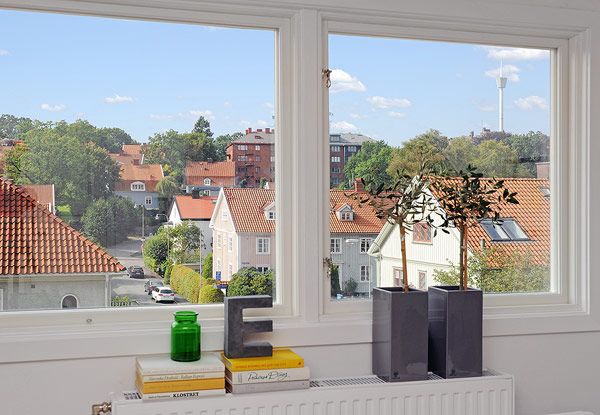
128 253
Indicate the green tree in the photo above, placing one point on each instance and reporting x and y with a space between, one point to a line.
210 294
249 281
221 143
109 221
202 126
334 274
531 148
207 268
12 127
186 242
156 251
199 147
460 152
168 149
12 164
424 148
167 187
495 159
370 162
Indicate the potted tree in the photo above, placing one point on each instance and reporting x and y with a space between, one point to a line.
400 314
455 312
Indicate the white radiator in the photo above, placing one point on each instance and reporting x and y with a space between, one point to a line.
492 394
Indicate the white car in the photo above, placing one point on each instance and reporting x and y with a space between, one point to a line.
163 294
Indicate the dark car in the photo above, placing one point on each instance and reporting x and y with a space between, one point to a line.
135 271
151 284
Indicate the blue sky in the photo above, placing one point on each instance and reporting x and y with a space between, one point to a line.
147 77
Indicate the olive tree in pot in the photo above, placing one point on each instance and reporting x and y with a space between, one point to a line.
456 312
400 314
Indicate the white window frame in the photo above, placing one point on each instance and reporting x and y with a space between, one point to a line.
365 273
263 245
335 159
148 200
335 243
242 147
230 243
256 148
138 187
242 158
365 244
302 32
263 268
218 240
218 266
335 149
229 271
207 182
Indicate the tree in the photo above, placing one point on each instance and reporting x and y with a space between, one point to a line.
464 201
167 187
334 274
12 164
495 159
207 268
186 241
460 152
531 148
202 126
12 127
249 281
499 270
109 221
210 294
199 147
369 162
168 149
424 148
221 143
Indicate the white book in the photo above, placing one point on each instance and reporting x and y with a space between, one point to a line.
180 395
269 375
182 376
268 386
163 365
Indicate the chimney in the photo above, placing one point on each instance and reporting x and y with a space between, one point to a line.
482 243
267 130
209 160
358 186
259 130
249 130
195 193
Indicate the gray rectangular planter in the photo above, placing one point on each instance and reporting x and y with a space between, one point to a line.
400 334
455 331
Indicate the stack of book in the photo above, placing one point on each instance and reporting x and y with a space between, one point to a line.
283 371
159 377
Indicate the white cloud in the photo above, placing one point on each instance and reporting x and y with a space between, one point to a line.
511 72
256 124
3 52
208 114
55 108
343 126
342 82
532 102
516 54
80 114
356 116
190 115
267 105
227 104
384 103
484 106
261 123
396 114
117 99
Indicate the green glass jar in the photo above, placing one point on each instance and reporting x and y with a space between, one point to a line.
185 337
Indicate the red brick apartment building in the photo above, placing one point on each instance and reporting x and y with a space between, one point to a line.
341 148
253 155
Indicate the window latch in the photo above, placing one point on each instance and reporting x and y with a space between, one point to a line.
326 74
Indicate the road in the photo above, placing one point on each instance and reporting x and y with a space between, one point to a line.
129 253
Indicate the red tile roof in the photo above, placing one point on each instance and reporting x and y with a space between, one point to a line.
221 173
150 174
132 149
247 210
532 214
195 209
126 158
35 241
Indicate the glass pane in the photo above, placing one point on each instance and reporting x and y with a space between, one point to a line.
452 106
122 143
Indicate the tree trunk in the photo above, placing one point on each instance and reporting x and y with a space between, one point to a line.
465 276
404 264
462 266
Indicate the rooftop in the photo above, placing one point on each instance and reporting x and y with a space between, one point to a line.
220 172
195 209
150 174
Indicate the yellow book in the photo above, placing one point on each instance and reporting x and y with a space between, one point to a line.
282 358
179 385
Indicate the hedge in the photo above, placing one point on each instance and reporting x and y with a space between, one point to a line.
186 282
210 294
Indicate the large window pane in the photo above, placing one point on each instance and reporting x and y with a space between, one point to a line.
405 102
121 140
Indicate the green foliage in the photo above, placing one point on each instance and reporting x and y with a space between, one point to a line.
244 183
12 127
186 241
109 221
186 282
124 301
248 281
210 294
334 274
350 286
110 139
221 143
368 162
263 182
12 163
207 268
494 270
156 251
530 148
202 126
424 148
167 268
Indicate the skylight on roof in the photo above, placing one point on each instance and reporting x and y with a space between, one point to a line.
504 230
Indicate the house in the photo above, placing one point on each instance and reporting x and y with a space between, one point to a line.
138 183
45 263
43 194
209 176
342 146
243 226
197 209
525 227
253 155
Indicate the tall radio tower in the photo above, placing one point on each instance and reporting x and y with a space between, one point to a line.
501 83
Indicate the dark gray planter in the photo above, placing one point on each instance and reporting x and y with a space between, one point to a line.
455 331
400 334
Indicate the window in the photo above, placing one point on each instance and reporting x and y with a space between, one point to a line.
263 269
346 215
242 158
218 264
242 147
365 273
69 301
138 187
272 169
504 230
224 215
397 273
335 180
218 240
422 280
257 158
271 215
257 148
365 244
336 245
272 159
335 149
230 243
230 271
335 138
257 170
242 169
421 232
352 149
207 182
335 159
148 200
335 169
263 245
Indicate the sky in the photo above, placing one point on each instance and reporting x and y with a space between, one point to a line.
149 77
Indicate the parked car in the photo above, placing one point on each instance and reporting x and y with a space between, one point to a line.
135 271
163 294
151 284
